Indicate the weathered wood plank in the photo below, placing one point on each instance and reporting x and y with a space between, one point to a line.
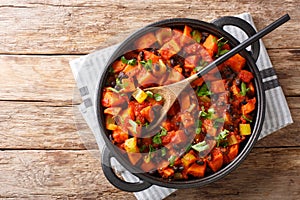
54 175
68 27
49 78
266 173
40 125
36 78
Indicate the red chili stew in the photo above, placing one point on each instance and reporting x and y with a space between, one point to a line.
204 128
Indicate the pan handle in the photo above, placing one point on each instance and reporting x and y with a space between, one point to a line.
245 26
115 180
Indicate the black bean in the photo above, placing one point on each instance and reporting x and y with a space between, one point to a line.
204 36
172 61
244 102
231 128
237 81
175 168
142 55
199 162
180 168
229 108
122 75
118 87
176 146
113 83
156 67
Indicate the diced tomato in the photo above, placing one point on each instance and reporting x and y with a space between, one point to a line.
118 66
231 153
179 137
167 172
211 45
249 107
147 167
186 38
191 62
174 76
187 120
170 48
178 68
236 62
119 135
131 107
197 82
163 35
235 89
217 86
245 76
197 170
194 48
150 55
145 41
148 113
128 85
188 159
209 127
110 99
215 161
146 78
112 110
167 125
167 138
185 101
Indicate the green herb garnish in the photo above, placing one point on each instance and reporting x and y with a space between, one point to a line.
149 156
201 146
203 91
163 152
150 94
188 147
199 126
142 148
172 160
207 115
147 65
244 89
220 44
133 125
196 35
221 138
247 119
157 97
157 138
201 65
129 62
113 89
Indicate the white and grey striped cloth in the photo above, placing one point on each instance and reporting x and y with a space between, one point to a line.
87 70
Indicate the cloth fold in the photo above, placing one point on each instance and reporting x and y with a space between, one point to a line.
88 69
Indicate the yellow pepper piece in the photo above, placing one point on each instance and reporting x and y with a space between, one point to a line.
245 129
139 95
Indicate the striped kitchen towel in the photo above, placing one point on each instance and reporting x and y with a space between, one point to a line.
87 70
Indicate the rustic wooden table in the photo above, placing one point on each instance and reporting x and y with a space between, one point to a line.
43 157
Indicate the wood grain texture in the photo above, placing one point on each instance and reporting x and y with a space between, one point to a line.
78 27
54 175
265 174
49 78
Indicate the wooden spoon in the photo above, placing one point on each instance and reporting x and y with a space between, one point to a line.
172 91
